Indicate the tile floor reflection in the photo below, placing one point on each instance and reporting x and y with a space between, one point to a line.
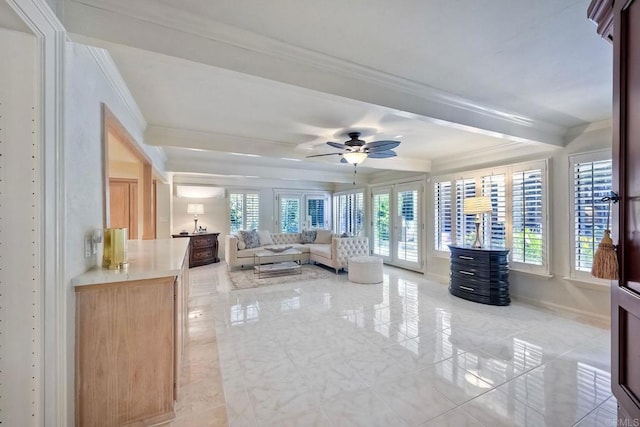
401 353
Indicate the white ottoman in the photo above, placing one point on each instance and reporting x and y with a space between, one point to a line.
365 269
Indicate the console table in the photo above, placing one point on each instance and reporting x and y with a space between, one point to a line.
480 275
203 249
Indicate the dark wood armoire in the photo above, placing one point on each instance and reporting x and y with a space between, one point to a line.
619 21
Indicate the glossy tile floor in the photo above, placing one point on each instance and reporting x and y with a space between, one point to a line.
200 396
402 353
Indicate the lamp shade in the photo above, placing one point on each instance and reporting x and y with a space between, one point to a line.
355 157
195 208
477 205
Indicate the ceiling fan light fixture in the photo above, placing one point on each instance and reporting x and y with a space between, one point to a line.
355 157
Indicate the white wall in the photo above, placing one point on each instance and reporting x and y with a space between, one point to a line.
555 292
163 210
86 87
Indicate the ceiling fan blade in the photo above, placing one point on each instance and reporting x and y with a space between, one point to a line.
330 154
337 145
382 154
375 146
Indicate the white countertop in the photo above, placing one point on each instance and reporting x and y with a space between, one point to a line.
148 259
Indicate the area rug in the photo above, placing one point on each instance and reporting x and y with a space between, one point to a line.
246 279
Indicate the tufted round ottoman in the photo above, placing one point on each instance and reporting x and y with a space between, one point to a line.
365 269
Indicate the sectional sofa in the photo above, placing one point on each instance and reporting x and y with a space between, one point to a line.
328 249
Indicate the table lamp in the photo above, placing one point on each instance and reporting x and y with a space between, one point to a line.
477 206
195 209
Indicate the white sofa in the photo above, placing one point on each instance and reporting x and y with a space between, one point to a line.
335 254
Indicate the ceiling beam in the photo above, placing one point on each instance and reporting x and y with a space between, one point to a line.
251 171
169 30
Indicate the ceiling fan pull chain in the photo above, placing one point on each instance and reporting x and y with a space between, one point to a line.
355 171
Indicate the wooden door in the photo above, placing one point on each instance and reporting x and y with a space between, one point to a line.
625 293
123 205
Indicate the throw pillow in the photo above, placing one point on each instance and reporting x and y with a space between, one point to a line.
323 236
308 236
250 238
345 234
265 238
241 245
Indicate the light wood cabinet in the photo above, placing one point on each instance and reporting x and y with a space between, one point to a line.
129 343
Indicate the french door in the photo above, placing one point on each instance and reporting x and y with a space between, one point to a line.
397 226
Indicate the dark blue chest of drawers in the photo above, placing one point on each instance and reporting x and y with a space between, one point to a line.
480 275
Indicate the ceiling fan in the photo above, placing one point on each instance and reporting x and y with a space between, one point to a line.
356 150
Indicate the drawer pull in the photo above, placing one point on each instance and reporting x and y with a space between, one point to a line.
466 288
468 273
465 257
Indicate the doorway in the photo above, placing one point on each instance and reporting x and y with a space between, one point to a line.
397 225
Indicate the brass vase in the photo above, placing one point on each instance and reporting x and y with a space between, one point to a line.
114 256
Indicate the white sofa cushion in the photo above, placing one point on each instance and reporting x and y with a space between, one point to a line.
323 236
320 249
265 238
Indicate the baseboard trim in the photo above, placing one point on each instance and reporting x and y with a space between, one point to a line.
561 310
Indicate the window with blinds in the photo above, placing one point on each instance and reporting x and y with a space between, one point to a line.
527 217
442 220
315 213
518 217
494 226
289 214
349 213
591 182
244 211
465 223
252 211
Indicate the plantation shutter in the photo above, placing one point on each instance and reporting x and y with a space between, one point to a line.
494 229
244 211
315 210
289 214
252 211
465 223
591 182
527 217
442 203
349 213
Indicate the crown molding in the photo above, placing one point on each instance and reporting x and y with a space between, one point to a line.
112 74
420 98
475 158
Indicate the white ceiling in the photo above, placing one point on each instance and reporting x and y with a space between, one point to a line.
278 79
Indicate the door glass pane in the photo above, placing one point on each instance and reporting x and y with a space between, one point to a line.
289 214
408 214
381 216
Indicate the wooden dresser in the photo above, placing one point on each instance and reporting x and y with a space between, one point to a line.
130 328
203 249
480 275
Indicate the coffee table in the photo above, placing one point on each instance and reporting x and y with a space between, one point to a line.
269 264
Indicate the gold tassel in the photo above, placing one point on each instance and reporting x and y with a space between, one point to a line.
605 261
